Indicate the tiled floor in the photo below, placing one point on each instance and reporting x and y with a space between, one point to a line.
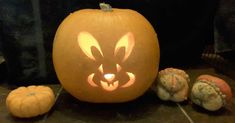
146 109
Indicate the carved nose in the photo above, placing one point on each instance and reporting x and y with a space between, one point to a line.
109 77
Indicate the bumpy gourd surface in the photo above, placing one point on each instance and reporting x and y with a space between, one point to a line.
206 95
211 92
172 85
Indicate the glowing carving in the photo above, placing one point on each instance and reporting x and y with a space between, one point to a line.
126 41
131 80
101 69
109 86
90 80
109 77
86 41
118 67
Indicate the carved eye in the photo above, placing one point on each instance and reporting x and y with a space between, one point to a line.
118 67
101 69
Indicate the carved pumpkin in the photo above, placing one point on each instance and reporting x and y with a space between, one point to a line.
107 55
25 102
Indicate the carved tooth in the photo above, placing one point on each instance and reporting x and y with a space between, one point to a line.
109 87
115 83
104 84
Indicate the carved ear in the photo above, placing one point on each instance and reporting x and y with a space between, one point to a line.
86 41
127 41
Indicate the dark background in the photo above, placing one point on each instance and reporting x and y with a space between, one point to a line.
27 29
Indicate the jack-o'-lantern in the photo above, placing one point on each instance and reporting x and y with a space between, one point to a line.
106 55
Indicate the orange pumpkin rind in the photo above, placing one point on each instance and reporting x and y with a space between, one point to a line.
31 101
103 55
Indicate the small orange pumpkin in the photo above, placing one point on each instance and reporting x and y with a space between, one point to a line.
26 102
107 55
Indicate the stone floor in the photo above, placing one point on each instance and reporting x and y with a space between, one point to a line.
146 109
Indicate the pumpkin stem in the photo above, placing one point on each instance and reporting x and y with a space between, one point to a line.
105 7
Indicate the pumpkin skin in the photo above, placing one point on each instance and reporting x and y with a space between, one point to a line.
119 64
26 102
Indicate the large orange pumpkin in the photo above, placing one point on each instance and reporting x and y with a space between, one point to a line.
107 55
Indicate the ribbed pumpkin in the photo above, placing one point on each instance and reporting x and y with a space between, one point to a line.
106 55
26 102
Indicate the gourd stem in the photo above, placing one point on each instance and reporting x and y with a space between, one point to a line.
105 7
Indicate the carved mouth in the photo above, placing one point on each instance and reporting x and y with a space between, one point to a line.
114 85
131 80
109 86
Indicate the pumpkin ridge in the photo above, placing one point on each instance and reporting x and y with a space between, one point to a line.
9 101
20 107
39 106
12 109
49 102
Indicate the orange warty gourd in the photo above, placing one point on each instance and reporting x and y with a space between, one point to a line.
26 102
211 92
172 84
106 55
